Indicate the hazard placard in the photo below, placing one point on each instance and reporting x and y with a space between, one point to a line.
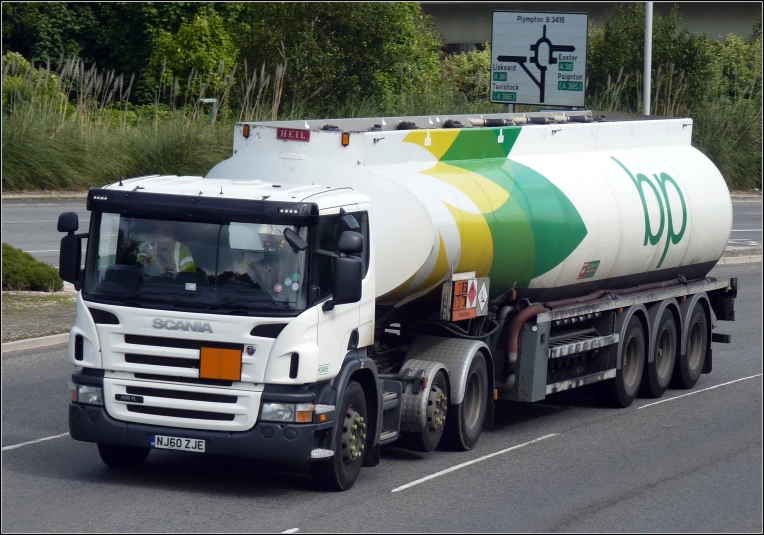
465 298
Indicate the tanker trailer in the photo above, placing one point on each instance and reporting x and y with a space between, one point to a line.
436 265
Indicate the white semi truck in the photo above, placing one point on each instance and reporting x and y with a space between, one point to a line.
338 285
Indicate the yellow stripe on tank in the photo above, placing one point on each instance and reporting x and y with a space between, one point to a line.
439 270
477 246
440 140
487 195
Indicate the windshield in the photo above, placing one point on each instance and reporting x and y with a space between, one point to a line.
230 268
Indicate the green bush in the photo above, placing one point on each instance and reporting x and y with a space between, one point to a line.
21 271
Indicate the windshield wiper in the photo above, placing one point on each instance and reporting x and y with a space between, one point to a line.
248 301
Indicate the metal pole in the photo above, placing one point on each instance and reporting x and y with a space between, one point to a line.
647 69
507 108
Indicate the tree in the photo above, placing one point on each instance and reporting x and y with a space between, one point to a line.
201 45
335 51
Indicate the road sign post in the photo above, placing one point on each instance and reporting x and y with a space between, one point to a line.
538 58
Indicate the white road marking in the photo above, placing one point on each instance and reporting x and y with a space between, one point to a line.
479 459
698 391
6 448
293 530
746 230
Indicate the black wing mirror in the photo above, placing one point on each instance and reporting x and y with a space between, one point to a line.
70 253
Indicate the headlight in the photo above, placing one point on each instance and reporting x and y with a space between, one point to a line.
92 395
278 412
302 413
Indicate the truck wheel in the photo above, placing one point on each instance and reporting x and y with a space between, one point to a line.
658 373
690 365
464 422
341 471
122 458
620 391
437 406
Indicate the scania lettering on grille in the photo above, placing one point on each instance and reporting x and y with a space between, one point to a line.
182 325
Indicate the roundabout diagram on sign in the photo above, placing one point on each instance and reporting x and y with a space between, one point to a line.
521 60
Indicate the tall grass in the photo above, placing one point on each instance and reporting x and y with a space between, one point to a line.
72 127
726 127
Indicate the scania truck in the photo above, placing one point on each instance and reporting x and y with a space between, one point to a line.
336 286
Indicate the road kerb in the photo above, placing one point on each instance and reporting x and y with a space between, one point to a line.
727 260
34 343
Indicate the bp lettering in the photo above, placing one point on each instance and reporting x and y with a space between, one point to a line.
666 224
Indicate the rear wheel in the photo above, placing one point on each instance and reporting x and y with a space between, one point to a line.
437 406
690 365
121 457
342 470
621 390
464 421
658 373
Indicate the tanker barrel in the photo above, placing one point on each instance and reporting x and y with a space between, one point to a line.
579 119
538 120
519 120
560 118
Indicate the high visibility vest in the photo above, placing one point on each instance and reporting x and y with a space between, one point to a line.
181 257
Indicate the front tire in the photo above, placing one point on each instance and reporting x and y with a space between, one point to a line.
342 470
464 422
122 458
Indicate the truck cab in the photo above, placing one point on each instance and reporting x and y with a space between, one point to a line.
208 305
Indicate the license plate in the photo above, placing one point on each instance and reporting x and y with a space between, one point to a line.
177 443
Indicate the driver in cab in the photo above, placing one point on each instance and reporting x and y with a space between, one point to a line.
163 254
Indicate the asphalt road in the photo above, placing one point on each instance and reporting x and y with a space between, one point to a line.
31 225
687 464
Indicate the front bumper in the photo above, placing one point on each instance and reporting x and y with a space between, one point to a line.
281 443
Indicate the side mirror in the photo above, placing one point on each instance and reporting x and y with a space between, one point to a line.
70 258
348 276
350 242
68 222
70 253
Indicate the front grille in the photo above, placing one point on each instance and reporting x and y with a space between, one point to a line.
178 343
181 413
187 380
161 361
177 394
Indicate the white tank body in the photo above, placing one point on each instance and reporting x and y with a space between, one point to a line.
554 210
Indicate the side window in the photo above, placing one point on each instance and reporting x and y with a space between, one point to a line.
328 234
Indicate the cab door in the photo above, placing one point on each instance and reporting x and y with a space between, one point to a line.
336 326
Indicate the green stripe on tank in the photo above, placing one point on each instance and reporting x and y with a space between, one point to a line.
481 144
534 230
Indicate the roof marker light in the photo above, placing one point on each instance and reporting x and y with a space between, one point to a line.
245 131
345 139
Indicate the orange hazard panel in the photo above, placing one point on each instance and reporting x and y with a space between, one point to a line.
220 364
461 287
465 314
460 302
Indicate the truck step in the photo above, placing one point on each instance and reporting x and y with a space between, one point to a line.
580 381
385 437
579 344
321 453
390 400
